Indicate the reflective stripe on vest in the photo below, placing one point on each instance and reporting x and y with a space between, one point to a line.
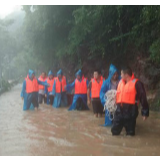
59 84
81 87
32 86
126 93
95 88
41 87
51 82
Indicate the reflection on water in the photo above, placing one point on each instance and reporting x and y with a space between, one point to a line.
59 132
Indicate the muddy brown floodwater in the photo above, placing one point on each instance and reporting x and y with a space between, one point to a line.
60 132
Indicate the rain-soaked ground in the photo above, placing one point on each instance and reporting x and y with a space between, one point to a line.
52 131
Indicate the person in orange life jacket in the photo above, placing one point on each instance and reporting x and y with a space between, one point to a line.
24 98
48 90
129 91
59 91
30 90
94 88
41 95
110 83
80 95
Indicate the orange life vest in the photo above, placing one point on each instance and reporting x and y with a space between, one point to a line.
51 82
41 87
81 87
96 87
126 93
60 86
32 85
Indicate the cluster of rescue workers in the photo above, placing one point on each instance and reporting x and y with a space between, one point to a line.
53 90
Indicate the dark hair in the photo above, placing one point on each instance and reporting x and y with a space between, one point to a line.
97 70
44 72
127 70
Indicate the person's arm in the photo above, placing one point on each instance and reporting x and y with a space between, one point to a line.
70 86
103 91
43 83
141 95
66 81
45 89
54 87
23 89
89 91
87 82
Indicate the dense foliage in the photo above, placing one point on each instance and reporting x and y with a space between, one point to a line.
69 37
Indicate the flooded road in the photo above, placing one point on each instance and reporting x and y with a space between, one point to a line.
59 132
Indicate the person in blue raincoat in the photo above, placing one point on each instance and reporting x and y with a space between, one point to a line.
59 91
80 96
48 90
31 98
110 83
24 98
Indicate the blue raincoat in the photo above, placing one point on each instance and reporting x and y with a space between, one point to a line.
24 96
29 97
105 87
46 90
60 99
77 96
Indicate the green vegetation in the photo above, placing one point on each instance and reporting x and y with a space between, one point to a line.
68 37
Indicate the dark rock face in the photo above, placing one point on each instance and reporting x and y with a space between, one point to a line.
148 73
